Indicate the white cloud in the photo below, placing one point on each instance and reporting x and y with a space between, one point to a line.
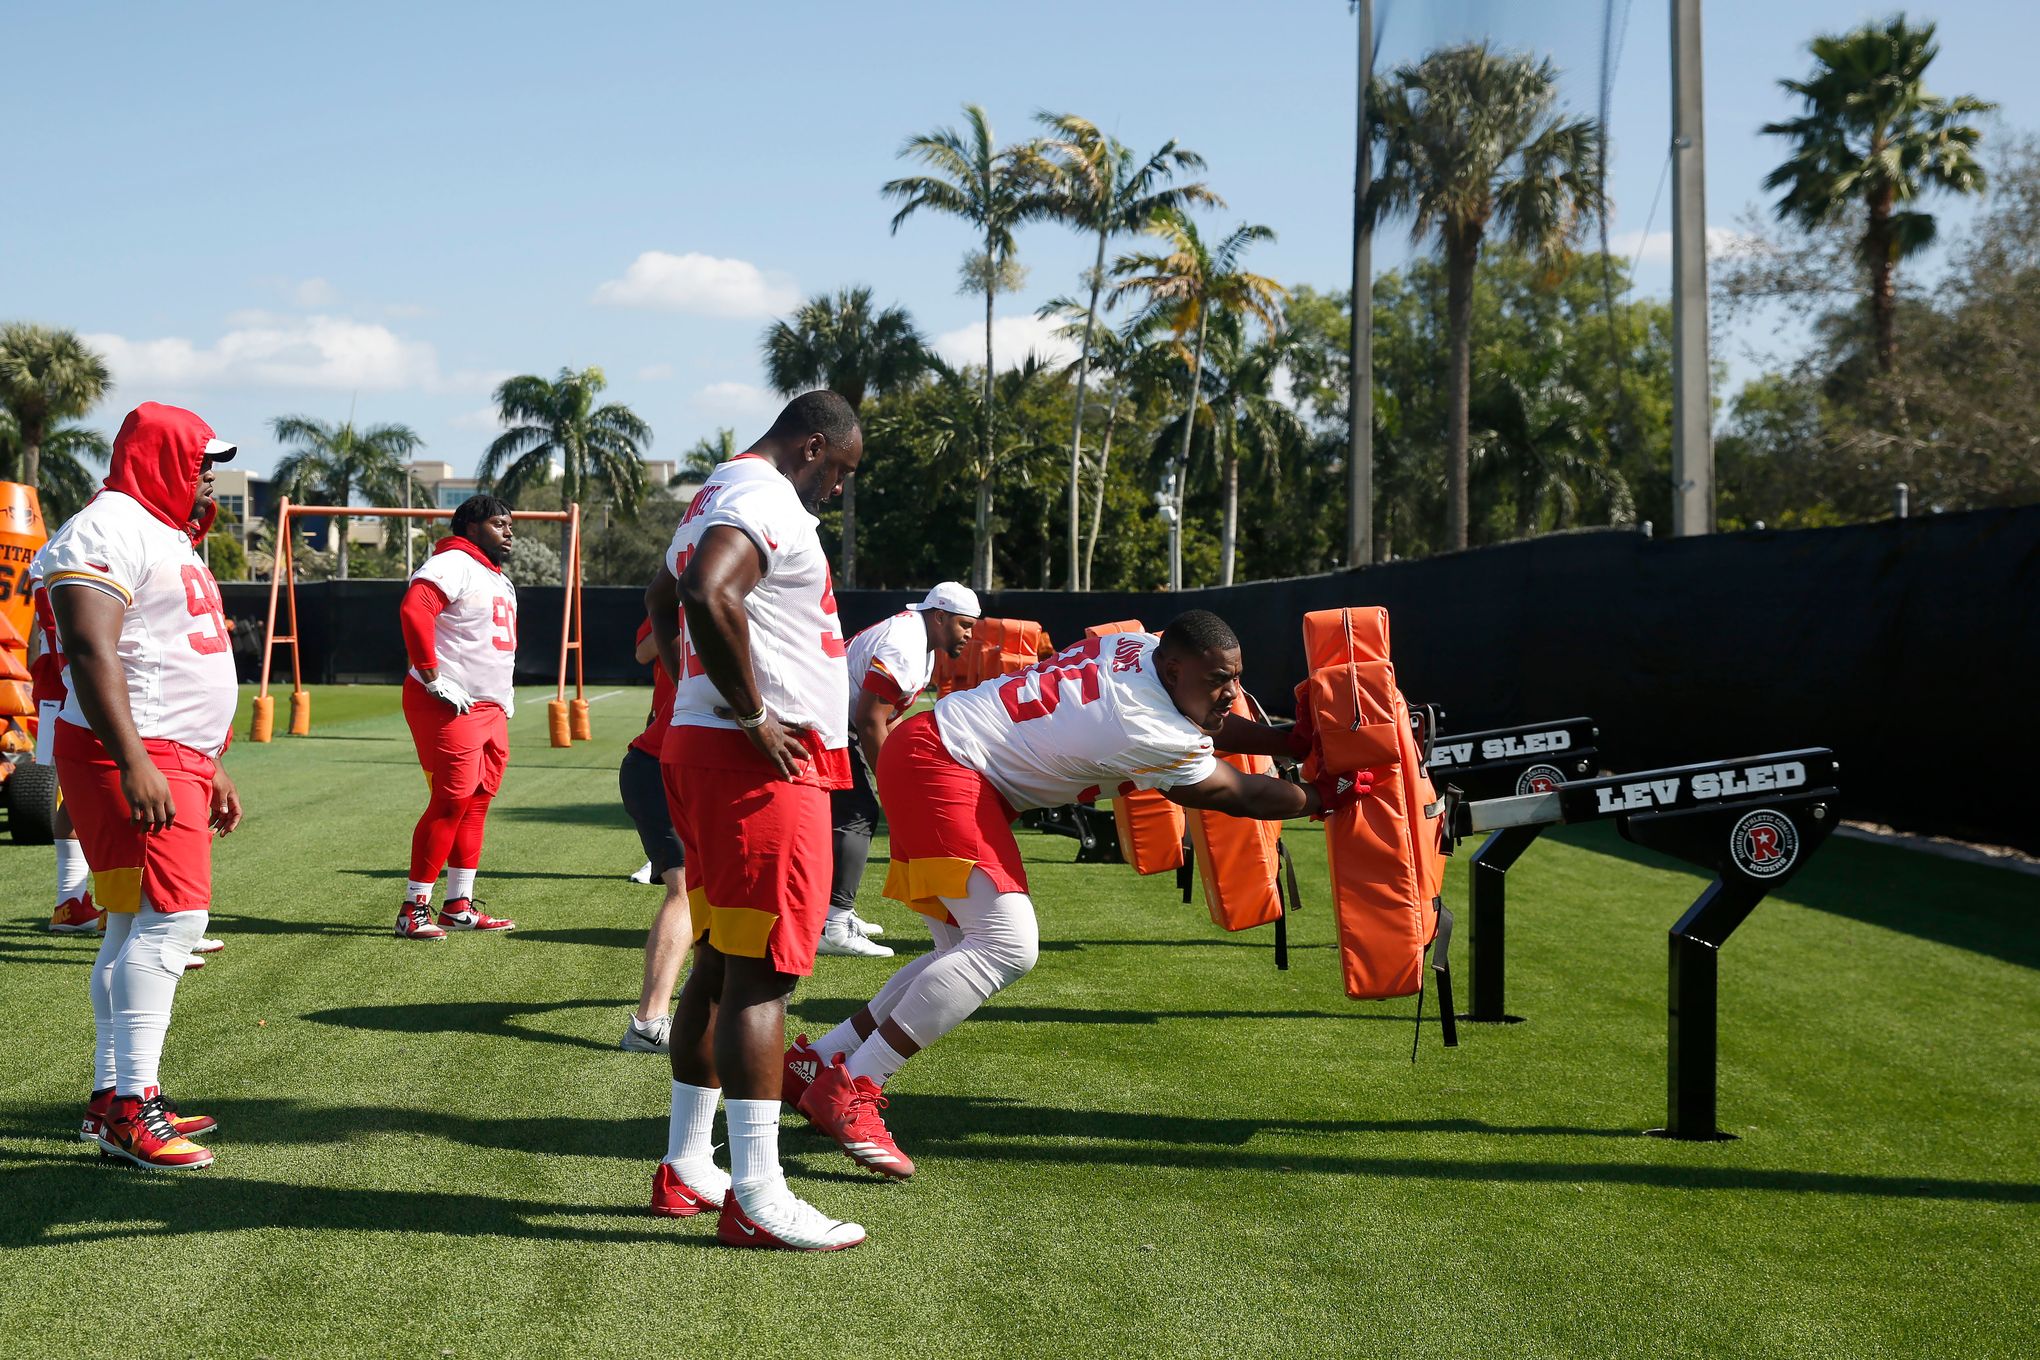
314 293
701 284
655 372
1013 338
1656 248
404 311
736 399
484 418
264 350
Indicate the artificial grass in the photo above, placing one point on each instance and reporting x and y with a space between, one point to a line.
1155 1144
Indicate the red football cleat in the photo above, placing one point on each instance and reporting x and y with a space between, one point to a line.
673 1197
414 922
75 916
803 1065
785 1223
463 913
846 1108
101 1105
138 1130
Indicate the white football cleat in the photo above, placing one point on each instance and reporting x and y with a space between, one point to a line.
782 1221
643 875
647 1036
205 946
839 937
870 930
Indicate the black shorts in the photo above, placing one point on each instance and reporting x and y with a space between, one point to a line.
644 798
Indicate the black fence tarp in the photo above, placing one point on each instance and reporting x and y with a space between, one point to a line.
1911 647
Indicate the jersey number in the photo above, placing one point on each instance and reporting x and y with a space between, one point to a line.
832 638
1076 666
690 662
202 598
504 616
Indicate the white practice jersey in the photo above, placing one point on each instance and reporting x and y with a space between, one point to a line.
1081 724
797 647
892 659
174 650
475 636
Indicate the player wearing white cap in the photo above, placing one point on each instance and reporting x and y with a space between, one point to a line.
891 662
1112 714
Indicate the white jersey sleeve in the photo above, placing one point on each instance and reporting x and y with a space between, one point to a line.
1088 722
892 660
175 652
475 636
797 646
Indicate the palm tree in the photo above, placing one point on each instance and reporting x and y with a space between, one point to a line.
599 448
67 482
704 456
46 375
1099 186
332 463
1182 288
1248 414
1872 134
1131 364
994 190
1470 143
1538 437
840 343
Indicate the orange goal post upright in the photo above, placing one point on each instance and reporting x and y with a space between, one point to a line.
566 719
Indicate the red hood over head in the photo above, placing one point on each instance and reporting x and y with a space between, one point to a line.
157 458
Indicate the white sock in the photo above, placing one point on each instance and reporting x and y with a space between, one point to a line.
754 1149
144 984
413 890
72 871
118 926
690 1122
459 883
876 1059
838 916
841 1040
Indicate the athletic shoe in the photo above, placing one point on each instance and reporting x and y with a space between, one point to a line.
648 1036
673 1197
800 1067
462 913
870 930
782 1222
75 916
414 921
192 963
643 875
208 946
841 939
846 1108
101 1105
138 1130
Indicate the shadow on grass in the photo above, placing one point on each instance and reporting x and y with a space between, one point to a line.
229 925
470 1018
74 1199
835 1010
569 814
390 875
1966 906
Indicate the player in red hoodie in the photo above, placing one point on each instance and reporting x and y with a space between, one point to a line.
460 630
149 713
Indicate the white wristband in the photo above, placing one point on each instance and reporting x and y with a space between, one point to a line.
755 720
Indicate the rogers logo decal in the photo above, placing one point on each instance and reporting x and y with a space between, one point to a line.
1540 779
1764 844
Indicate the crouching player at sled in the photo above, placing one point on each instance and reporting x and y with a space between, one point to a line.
1116 713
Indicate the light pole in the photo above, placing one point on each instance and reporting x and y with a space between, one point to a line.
1165 505
1360 390
1692 427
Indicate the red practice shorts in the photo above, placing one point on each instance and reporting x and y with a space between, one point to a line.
759 852
461 752
945 819
171 867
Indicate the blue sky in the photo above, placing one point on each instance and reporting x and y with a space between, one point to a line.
261 209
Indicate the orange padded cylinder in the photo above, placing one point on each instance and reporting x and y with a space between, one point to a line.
1236 856
300 712
263 725
1150 826
557 723
578 725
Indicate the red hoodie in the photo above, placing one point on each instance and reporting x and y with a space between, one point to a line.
157 459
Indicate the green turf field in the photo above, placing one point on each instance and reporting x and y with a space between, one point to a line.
1154 1145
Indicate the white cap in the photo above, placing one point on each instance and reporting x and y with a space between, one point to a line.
953 596
220 451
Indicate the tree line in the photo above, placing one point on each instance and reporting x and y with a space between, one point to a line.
1519 386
